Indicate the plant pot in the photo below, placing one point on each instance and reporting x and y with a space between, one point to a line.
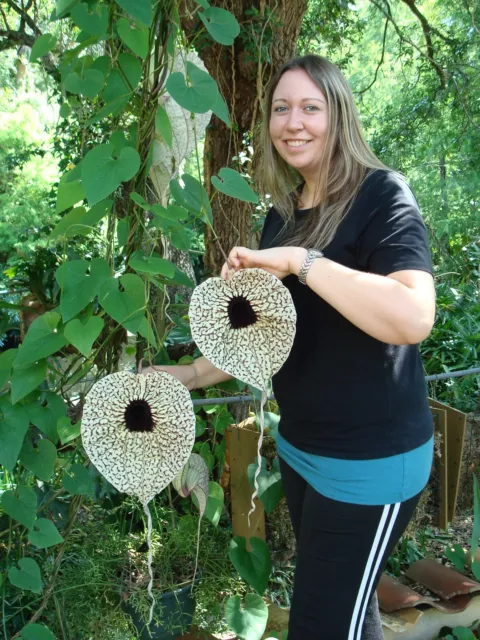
176 608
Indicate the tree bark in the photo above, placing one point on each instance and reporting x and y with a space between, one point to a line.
242 72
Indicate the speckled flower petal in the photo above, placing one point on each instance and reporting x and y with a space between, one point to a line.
252 351
138 462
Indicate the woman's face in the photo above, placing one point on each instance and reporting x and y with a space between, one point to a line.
299 122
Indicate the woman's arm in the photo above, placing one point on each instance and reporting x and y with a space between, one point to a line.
202 374
397 309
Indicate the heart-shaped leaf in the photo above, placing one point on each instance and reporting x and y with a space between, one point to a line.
6 361
70 191
28 577
13 427
192 196
44 534
62 7
172 213
42 45
193 478
43 338
163 125
39 460
139 9
270 487
271 422
77 481
134 39
457 556
253 566
81 222
26 379
154 264
248 622
476 517
46 417
103 172
220 109
83 334
122 81
88 82
68 431
127 306
215 501
78 288
199 95
21 505
476 569
462 633
234 185
94 23
36 632
220 24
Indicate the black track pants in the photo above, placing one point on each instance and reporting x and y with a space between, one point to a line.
342 549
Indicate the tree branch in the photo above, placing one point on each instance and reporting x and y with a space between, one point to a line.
380 61
24 16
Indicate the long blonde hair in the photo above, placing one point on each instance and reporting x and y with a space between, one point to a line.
344 163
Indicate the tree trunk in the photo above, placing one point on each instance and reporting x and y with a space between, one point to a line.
268 38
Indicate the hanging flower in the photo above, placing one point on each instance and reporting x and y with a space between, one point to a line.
245 325
139 430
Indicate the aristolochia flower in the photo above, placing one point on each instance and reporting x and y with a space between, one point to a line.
139 430
245 325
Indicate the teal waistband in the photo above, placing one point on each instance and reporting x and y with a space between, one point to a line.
371 482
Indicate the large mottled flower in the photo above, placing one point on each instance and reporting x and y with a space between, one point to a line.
139 430
245 325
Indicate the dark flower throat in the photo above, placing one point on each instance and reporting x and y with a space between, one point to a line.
241 313
138 416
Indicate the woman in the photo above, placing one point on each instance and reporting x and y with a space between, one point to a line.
355 438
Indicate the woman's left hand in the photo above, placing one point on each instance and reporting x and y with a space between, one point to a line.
279 261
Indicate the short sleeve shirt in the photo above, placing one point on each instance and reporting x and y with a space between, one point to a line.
341 392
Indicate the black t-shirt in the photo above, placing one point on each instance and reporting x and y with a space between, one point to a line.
342 393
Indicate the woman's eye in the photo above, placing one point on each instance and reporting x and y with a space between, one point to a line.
279 109
311 107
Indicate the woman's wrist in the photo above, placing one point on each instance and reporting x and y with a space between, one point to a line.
298 255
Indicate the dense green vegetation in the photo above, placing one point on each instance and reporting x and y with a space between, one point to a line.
414 70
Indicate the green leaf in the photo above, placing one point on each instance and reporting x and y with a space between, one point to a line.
26 379
78 288
253 566
28 577
122 82
94 23
65 111
112 108
215 501
69 193
146 330
123 231
199 95
21 505
62 7
271 422
127 306
103 172
234 185
81 222
270 487
193 478
44 534
163 125
154 264
6 361
457 556
462 633
43 338
36 632
139 9
134 39
13 427
247 622
220 109
83 334
77 481
66 430
476 517
173 212
46 417
42 45
88 83
220 24
179 279
40 460
222 420
476 569
192 196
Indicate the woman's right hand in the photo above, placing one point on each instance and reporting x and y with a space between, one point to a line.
183 372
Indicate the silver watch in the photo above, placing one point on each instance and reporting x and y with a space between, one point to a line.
312 255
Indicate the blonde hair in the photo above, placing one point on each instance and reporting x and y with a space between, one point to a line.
344 163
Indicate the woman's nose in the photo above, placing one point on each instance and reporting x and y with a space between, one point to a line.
295 120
